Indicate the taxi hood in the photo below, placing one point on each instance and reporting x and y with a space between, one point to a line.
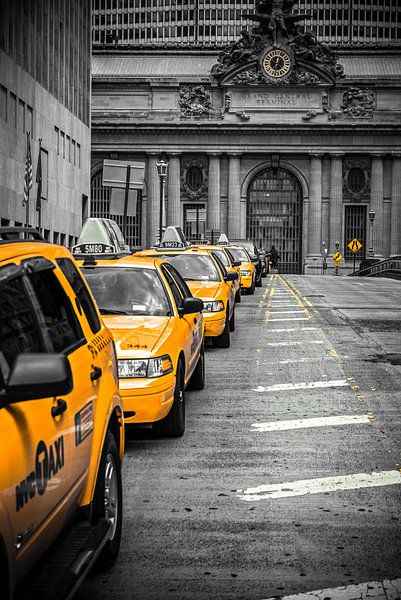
205 289
136 336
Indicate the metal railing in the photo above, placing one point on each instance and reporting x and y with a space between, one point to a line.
390 267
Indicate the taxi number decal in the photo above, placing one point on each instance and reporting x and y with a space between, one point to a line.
171 245
83 423
48 461
92 249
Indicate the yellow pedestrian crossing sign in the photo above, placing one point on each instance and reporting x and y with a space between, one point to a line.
337 256
355 245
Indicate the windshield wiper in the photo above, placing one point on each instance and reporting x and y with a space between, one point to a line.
112 311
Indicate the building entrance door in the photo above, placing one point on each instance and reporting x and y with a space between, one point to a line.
274 216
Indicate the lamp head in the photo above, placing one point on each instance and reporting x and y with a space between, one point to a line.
372 215
162 167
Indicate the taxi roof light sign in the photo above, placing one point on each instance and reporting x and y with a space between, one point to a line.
101 237
223 240
173 237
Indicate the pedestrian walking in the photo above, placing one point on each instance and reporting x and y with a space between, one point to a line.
273 257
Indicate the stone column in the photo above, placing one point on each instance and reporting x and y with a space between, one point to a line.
395 244
313 263
376 202
213 200
153 198
234 196
173 190
336 199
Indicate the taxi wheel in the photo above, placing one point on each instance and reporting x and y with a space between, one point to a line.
197 381
238 297
174 424
251 290
107 500
232 321
223 340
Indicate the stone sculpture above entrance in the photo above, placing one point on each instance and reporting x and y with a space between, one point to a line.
276 51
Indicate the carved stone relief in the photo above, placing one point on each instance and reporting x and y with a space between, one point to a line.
189 192
356 179
194 100
358 103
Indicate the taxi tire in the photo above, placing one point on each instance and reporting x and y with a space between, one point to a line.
110 459
238 297
251 290
197 381
173 425
223 340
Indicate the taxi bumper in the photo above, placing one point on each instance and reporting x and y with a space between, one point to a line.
246 282
147 400
214 323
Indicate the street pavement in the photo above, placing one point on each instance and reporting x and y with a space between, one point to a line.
287 481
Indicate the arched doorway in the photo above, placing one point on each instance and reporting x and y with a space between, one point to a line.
274 216
101 206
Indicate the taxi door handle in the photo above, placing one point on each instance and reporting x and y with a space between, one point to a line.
96 373
59 408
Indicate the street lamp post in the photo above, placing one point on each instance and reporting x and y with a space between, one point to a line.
371 251
162 167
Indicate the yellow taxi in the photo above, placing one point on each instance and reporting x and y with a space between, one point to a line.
206 278
229 264
61 422
247 267
157 326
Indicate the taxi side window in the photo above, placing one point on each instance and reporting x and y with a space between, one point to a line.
61 322
76 282
173 286
18 329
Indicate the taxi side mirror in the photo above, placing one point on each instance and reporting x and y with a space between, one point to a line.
237 263
231 276
37 375
190 305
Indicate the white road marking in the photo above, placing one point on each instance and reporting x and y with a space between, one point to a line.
280 387
371 590
290 361
302 343
290 319
318 486
290 329
314 422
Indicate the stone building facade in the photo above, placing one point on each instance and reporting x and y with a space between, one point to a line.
45 58
277 139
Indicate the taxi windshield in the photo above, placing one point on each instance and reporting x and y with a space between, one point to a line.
194 267
223 257
127 291
239 254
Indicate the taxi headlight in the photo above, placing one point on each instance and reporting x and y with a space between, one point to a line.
245 273
213 305
144 367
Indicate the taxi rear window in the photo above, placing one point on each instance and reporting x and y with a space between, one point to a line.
239 254
194 267
128 291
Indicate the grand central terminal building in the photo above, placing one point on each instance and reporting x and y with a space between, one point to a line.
287 132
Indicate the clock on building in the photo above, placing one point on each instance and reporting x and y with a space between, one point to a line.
276 63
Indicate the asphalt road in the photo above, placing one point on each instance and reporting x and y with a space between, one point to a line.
288 477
